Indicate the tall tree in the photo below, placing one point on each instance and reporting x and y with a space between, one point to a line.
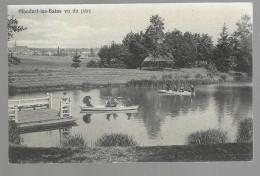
223 58
104 54
13 27
107 53
92 54
242 42
189 49
76 60
154 37
136 51
204 47
175 41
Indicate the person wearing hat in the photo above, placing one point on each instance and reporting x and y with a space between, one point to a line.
175 88
113 102
108 103
88 101
64 97
191 89
182 89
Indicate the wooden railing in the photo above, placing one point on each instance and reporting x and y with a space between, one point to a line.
65 108
16 105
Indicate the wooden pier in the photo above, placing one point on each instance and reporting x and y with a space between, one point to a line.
38 113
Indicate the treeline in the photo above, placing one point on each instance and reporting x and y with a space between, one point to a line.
232 51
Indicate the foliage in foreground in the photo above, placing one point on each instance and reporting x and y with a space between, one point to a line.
178 81
211 136
233 152
14 134
74 141
116 139
245 130
12 90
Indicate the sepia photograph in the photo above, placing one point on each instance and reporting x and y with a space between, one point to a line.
124 83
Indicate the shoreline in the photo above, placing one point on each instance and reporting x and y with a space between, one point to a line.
174 153
64 87
48 78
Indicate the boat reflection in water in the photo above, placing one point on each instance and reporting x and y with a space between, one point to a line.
87 117
129 115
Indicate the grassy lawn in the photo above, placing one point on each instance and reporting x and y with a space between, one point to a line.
216 152
37 71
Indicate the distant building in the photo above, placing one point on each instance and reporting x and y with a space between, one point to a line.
58 51
159 61
49 53
20 48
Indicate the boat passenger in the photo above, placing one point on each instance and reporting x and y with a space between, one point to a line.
191 89
108 103
168 86
128 102
108 117
175 88
88 102
113 102
64 97
182 88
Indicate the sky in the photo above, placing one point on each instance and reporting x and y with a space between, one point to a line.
111 22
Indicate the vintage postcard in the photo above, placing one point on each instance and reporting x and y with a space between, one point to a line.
168 82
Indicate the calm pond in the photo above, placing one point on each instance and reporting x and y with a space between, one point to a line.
161 119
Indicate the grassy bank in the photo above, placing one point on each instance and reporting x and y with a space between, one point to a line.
45 73
213 152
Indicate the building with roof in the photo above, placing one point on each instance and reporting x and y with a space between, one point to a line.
160 61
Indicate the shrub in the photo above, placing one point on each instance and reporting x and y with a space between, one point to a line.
93 64
245 130
211 75
223 77
186 76
164 77
116 139
211 136
240 77
198 75
151 83
14 133
154 77
75 64
74 141
12 90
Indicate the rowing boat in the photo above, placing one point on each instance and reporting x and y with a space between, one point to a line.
102 108
167 92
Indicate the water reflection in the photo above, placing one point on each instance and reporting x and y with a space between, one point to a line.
160 120
129 115
65 134
86 118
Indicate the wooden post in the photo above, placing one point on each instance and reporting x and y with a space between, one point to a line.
70 107
61 109
16 113
50 101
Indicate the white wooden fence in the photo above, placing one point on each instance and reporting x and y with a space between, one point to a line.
65 108
16 105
